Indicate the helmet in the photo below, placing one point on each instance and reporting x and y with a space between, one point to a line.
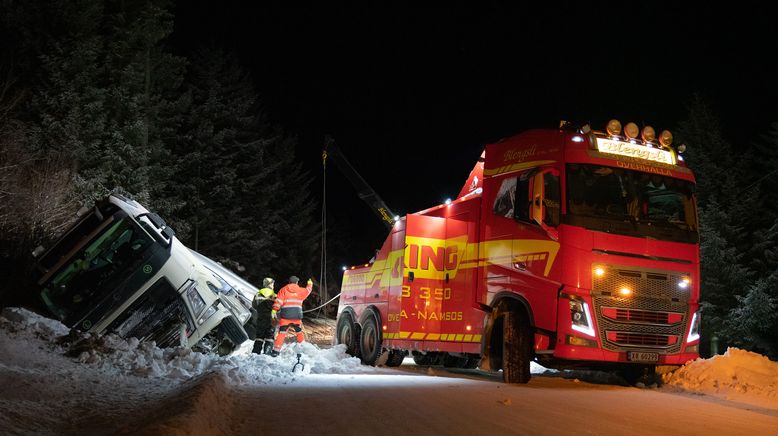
294 279
267 282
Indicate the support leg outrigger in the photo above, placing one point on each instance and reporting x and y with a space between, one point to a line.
299 355
302 365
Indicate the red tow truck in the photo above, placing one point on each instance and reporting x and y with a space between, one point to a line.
569 246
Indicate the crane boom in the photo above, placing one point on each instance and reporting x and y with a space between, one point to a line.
364 191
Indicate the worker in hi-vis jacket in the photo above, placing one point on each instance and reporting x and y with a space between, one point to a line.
288 309
263 303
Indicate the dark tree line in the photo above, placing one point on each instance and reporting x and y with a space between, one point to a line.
94 101
737 194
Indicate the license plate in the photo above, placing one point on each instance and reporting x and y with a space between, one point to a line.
638 356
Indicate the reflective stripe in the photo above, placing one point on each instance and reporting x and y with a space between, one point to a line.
266 293
451 337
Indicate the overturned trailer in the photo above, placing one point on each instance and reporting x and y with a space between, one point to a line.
120 269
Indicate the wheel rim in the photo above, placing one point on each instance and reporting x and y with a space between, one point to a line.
370 339
345 335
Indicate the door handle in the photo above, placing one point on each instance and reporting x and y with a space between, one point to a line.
376 295
353 297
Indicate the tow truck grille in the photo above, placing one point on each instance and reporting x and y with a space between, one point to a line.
642 316
641 339
652 317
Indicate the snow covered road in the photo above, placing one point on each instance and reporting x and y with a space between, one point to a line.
114 386
407 403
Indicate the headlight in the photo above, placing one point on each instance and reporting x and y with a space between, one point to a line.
581 316
694 330
245 317
195 300
208 313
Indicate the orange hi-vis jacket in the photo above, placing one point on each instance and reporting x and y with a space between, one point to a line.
289 301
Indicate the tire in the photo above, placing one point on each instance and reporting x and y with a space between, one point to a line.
347 334
396 358
517 348
370 340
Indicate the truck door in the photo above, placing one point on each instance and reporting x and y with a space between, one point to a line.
535 246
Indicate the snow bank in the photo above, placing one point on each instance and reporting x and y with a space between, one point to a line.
17 319
60 381
112 354
115 356
737 375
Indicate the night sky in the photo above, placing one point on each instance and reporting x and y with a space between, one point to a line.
413 94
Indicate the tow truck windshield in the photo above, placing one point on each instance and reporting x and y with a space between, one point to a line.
631 203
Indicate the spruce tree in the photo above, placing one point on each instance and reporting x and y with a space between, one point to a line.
753 323
296 209
144 104
710 155
244 196
220 136
724 276
762 177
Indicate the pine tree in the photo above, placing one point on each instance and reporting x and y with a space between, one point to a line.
244 196
710 155
68 111
220 137
762 177
724 277
296 210
753 324
144 104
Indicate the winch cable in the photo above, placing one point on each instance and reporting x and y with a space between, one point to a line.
328 302
323 265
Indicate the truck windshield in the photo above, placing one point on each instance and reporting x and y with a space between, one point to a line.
91 273
632 203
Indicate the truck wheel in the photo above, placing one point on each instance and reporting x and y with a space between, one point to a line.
516 348
370 340
396 358
347 334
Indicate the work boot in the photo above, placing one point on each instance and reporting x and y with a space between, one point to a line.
274 353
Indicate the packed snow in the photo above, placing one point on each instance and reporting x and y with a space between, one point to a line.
737 375
56 381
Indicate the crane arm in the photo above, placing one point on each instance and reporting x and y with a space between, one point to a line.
364 191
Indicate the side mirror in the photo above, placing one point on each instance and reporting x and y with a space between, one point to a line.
538 210
523 201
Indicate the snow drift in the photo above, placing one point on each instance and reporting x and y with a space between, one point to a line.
60 381
736 375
